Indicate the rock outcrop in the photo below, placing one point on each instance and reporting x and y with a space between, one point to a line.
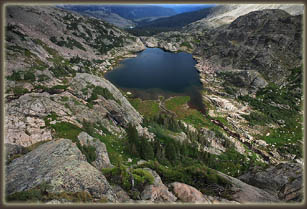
157 192
122 111
61 165
245 193
284 180
102 157
268 41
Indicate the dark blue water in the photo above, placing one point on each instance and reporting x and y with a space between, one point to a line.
155 72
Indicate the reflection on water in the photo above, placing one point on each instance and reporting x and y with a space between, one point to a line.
155 72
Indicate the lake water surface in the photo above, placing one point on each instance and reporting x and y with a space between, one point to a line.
155 72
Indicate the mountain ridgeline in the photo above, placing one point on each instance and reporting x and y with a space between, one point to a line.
71 136
171 23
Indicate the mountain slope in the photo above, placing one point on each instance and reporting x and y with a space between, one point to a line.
170 23
123 16
100 13
225 14
52 51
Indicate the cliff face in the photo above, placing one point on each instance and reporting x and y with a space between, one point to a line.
65 123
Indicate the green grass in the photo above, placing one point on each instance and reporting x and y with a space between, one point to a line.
148 108
66 130
18 90
179 105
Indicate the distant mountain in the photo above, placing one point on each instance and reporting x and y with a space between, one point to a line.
182 8
121 15
170 23
132 12
100 12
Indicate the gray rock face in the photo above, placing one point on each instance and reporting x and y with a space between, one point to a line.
283 180
102 157
157 192
24 118
61 165
245 79
245 193
267 41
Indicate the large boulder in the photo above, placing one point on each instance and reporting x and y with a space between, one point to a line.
187 193
61 165
102 157
157 192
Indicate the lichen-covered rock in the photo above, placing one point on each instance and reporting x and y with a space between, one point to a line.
102 157
157 192
187 193
61 165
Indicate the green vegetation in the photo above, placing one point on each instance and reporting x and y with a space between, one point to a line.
148 108
16 76
128 178
69 131
98 90
22 76
198 176
138 146
66 130
18 90
89 151
104 34
282 106
179 105
186 44
70 43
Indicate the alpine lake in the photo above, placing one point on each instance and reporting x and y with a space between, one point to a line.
155 72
